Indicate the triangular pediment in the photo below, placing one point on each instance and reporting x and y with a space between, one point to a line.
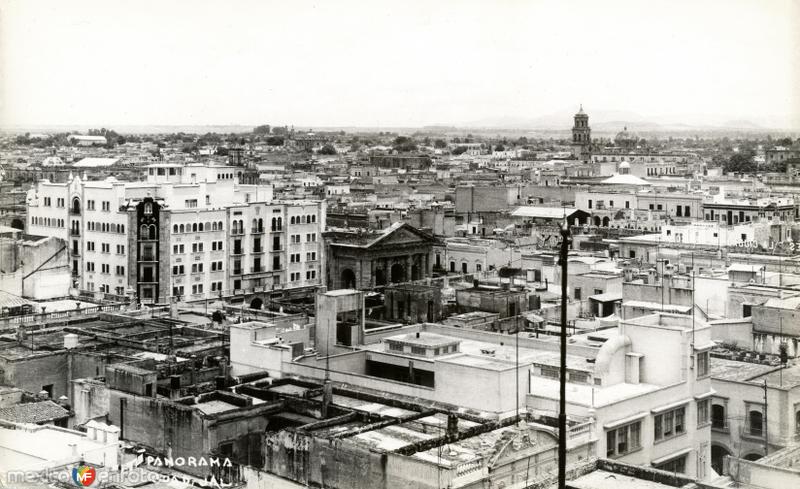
403 235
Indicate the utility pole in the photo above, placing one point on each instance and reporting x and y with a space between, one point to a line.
766 424
562 400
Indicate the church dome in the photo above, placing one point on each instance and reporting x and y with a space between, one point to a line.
626 138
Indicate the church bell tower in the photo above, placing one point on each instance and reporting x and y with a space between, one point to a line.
581 136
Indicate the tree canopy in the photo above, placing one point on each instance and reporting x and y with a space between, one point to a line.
327 149
404 144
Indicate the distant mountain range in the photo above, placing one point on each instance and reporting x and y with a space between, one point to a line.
602 122
612 121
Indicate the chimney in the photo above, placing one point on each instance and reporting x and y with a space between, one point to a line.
327 397
452 425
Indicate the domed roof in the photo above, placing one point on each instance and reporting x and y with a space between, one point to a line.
625 137
624 164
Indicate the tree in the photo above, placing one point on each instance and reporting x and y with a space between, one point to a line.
439 144
275 141
218 316
741 162
404 144
261 130
500 147
327 149
459 150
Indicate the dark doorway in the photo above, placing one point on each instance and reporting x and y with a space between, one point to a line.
718 454
414 272
380 276
348 279
397 273
17 224
256 303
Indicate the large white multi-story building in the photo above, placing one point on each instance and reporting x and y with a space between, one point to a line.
647 390
189 231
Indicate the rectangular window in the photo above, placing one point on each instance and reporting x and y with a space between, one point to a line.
577 293
676 465
702 364
670 424
417 350
551 372
703 412
624 439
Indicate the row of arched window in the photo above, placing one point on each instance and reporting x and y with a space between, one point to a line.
105 227
307 219
197 227
237 226
148 232
47 221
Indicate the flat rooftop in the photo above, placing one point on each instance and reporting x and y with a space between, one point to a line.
787 377
735 371
602 479
589 395
430 340
400 435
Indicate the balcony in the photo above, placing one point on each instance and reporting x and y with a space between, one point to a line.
74 232
277 249
237 271
277 230
256 230
258 249
257 269
720 425
74 212
147 257
238 251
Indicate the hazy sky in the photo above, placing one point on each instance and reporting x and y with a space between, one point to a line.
373 63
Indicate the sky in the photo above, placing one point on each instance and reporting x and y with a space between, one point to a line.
411 63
